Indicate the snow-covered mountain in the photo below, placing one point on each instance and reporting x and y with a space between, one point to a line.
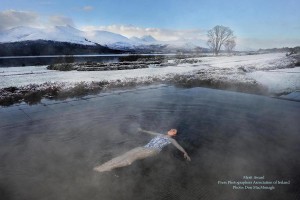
20 33
145 39
57 33
72 35
148 38
185 44
112 40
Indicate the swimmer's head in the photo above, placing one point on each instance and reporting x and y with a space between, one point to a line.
172 132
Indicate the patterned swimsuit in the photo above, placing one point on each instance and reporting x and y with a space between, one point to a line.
158 142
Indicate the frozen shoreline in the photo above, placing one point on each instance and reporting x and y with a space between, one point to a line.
268 74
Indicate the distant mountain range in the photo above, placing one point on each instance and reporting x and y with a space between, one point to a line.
61 40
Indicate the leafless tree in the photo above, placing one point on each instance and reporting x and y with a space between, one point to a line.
218 36
229 45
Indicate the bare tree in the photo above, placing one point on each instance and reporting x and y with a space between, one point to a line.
229 45
218 36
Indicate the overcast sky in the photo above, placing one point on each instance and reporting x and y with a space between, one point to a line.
256 23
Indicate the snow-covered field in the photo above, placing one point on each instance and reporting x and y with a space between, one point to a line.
280 80
271 70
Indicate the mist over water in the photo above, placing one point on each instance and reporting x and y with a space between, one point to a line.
227 134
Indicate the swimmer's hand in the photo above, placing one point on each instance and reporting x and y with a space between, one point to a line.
186 156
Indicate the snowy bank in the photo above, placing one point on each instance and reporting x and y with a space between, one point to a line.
262 74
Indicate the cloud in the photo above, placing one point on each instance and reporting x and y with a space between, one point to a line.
160 34
13 18
88 8
59 20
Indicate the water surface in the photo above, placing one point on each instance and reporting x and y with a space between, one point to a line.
16 61
48 151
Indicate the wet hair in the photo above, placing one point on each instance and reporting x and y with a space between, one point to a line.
173 129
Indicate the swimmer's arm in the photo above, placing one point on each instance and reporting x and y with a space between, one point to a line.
175 143
149 132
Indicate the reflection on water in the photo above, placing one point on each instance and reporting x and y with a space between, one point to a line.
13 61
48 60
228 135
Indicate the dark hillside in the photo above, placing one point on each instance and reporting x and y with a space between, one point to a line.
43 47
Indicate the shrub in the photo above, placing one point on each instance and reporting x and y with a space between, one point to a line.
61 67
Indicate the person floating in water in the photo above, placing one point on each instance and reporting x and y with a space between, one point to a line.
150 149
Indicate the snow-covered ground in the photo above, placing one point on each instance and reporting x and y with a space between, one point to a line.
271 70
280 80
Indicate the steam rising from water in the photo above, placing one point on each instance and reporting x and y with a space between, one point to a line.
227 134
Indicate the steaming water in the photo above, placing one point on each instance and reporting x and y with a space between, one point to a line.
49 153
